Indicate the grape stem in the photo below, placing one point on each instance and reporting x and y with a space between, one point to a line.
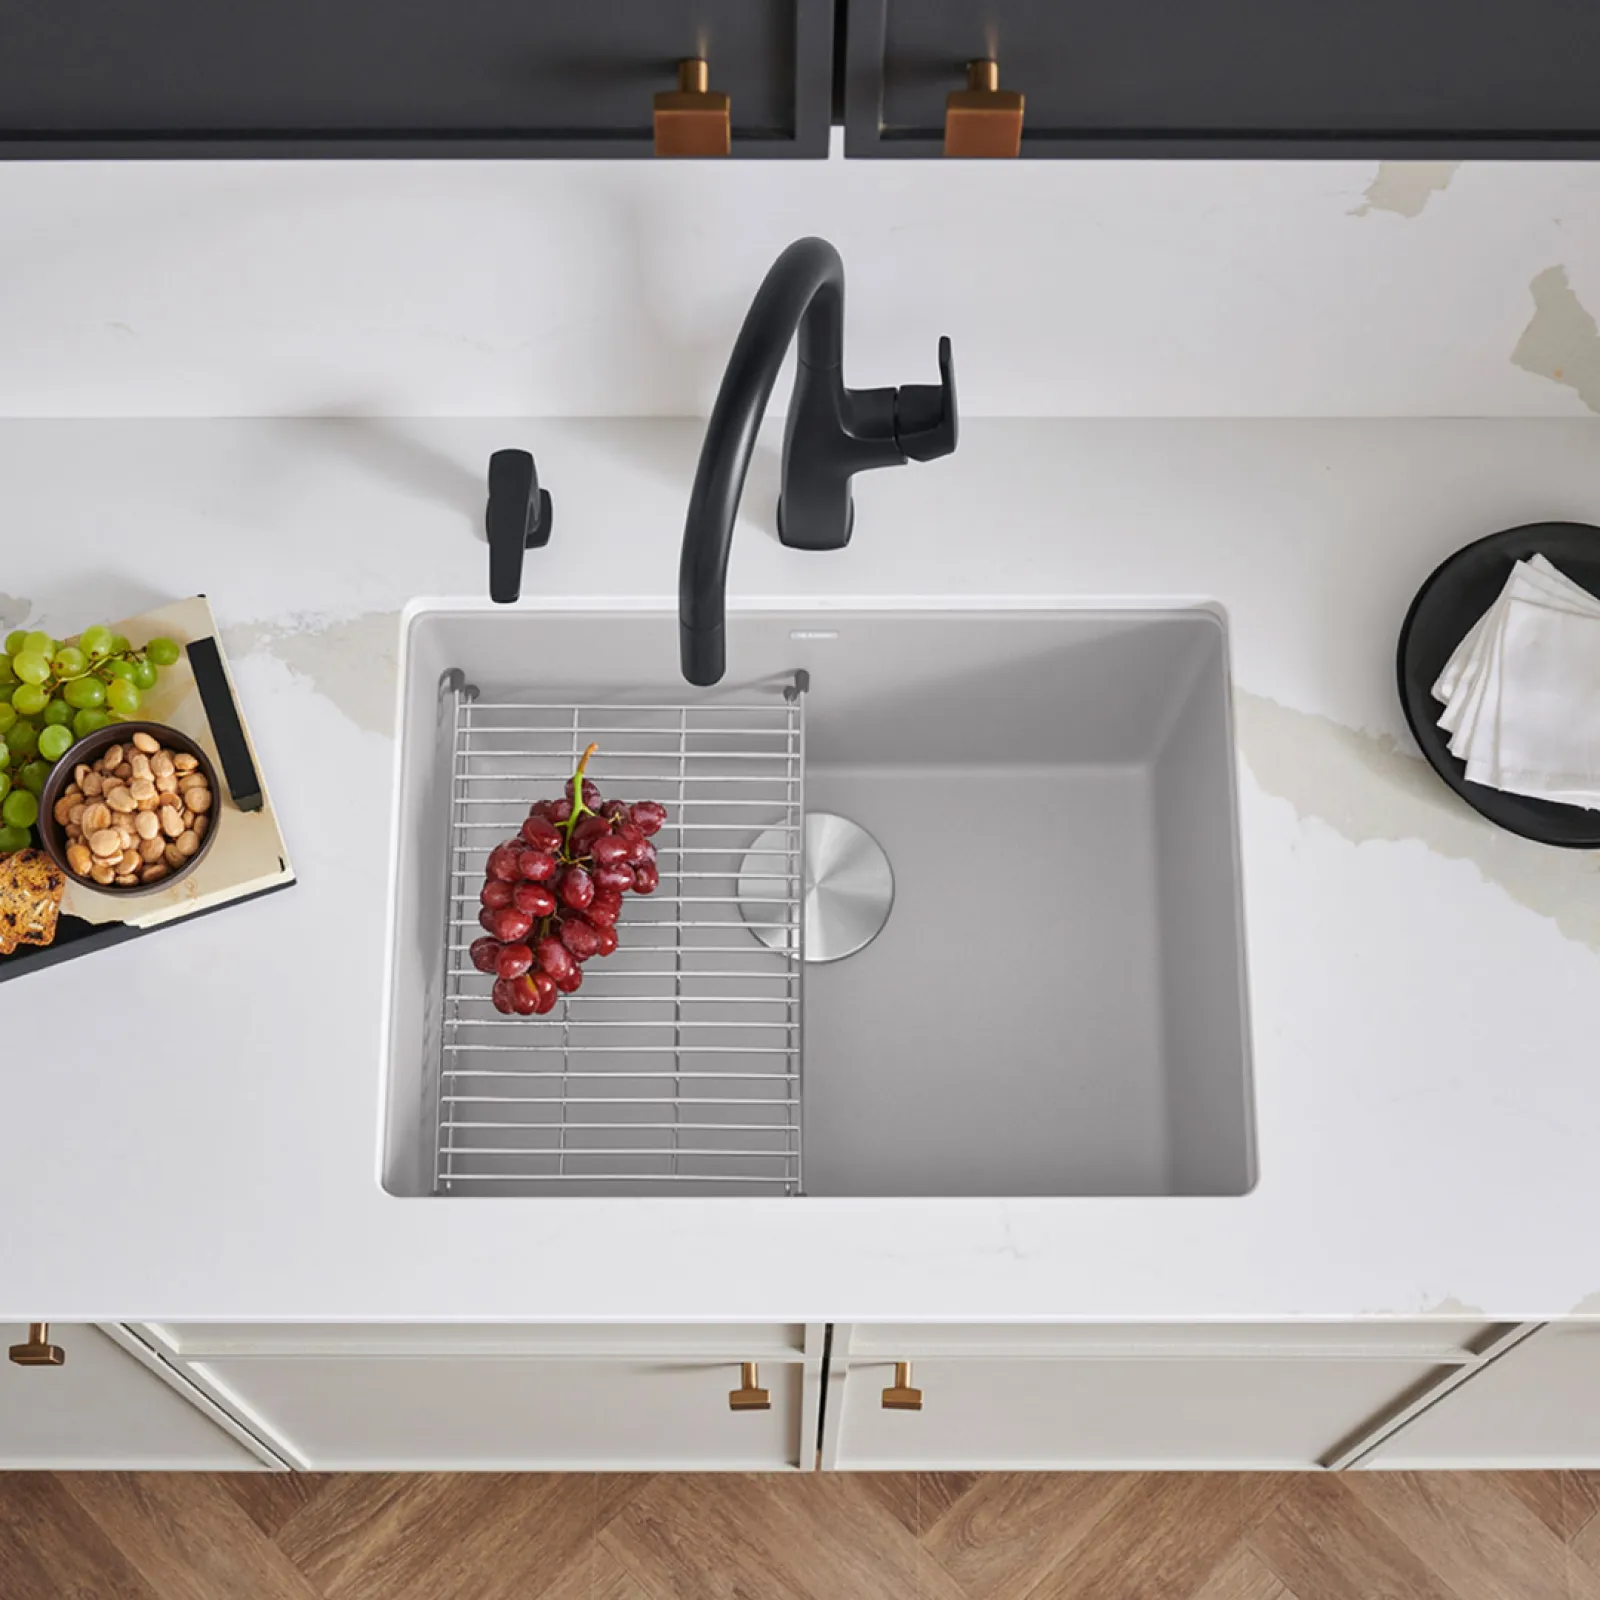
579 809
94 669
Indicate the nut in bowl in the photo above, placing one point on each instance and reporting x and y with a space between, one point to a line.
130 808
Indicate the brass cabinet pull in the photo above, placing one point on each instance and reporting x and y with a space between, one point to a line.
900 1396
749 1396
693 119
38 1351
983 120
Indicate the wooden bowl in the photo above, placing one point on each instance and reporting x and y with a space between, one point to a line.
53 837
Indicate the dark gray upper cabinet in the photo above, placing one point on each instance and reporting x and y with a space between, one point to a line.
1400 78
401 77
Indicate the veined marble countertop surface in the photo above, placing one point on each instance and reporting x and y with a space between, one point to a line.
193 1119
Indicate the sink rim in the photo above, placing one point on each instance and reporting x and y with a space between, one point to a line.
939 608
955 605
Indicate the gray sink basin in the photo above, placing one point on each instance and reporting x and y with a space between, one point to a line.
1055 1006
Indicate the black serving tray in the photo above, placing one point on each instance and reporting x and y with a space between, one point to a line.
1447 606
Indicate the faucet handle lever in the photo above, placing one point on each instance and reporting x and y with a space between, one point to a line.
517 518
925 423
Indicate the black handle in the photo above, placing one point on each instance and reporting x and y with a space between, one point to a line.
227 727
925 424
517 518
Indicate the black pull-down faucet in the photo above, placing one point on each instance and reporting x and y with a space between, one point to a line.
832 433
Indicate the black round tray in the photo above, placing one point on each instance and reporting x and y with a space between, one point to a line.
1461 589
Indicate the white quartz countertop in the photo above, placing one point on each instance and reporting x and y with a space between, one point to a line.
192 1119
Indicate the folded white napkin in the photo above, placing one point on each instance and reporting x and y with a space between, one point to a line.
1521 693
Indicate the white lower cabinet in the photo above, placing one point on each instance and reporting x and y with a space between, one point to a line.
1262 1412
1537 1405
105 1407
1124 1397
386 1413
886 1397
593 1398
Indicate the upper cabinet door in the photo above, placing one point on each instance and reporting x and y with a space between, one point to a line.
1393 78
403 77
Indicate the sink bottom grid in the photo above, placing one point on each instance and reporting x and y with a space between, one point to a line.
677 1066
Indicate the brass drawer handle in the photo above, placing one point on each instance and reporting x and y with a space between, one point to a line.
900 1396
38 1351
693 119
983 120
749 1396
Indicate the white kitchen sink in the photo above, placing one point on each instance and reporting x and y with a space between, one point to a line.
1055 1005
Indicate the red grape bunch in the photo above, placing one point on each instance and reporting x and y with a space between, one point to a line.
552 895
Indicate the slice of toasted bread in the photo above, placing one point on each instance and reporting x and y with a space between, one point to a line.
31 885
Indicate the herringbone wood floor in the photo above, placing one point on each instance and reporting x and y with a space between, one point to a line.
943 1536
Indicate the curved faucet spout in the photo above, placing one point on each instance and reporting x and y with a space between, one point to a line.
802 294
832 433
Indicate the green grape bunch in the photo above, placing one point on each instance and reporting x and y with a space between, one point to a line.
52 693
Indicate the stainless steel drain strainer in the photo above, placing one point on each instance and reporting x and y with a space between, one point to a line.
847 895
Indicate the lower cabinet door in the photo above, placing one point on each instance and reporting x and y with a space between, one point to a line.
102 1408
1538 1405
1147 1413
360 1413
